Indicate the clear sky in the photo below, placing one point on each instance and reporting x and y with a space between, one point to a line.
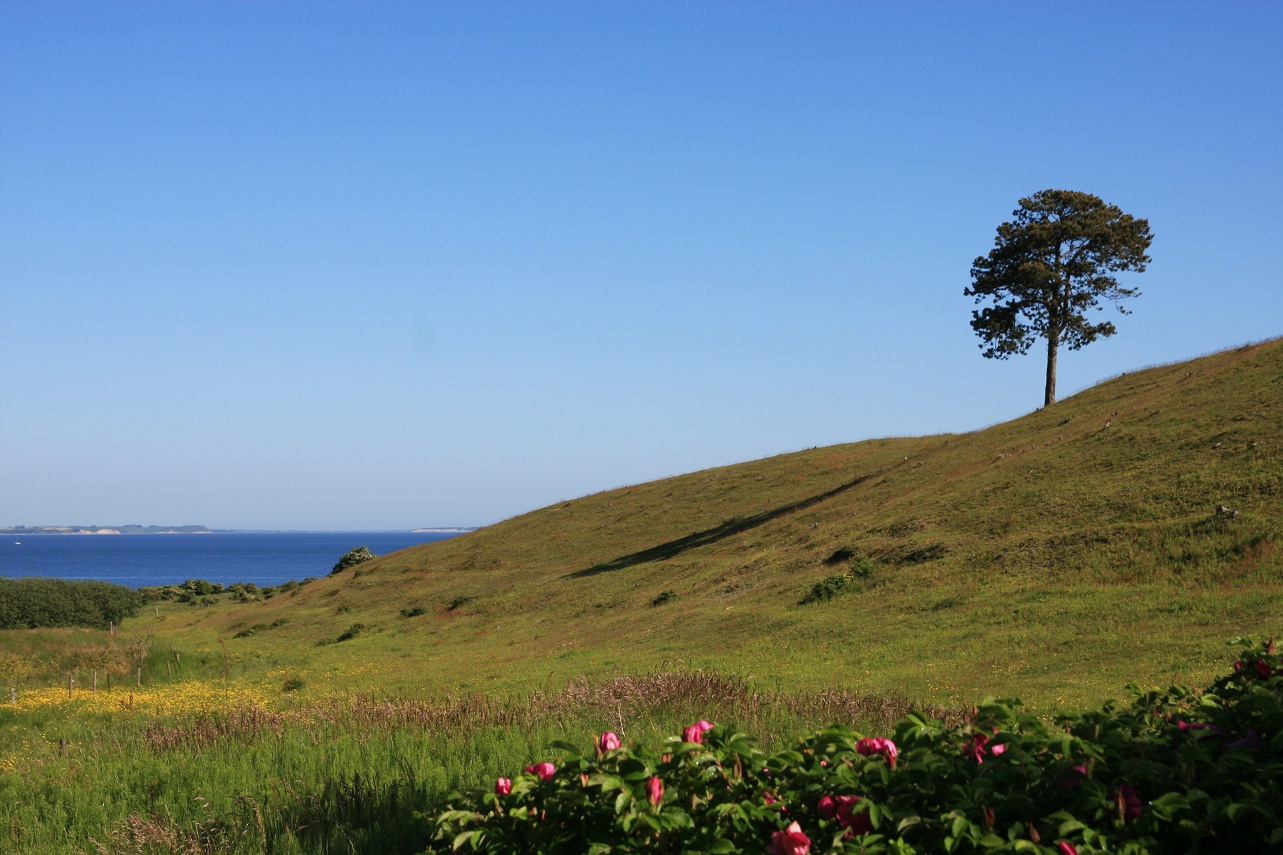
372 264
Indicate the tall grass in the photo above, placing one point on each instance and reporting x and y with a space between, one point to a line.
345 774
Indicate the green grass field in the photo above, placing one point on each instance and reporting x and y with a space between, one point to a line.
1055 558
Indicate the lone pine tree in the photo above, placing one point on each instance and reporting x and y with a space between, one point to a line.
1053 262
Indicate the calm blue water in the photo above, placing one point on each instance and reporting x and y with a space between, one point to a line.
137 560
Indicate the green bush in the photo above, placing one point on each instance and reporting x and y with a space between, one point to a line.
32 602
351 632
828 588
839 583
1178 771
351 558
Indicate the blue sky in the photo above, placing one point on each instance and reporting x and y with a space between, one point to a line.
382 265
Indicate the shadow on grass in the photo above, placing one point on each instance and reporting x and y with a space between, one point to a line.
703 538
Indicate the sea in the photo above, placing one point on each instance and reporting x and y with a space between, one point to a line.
142 560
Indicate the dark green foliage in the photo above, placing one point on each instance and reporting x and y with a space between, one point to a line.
828 588
664 597
414 612
183 593
840 583
352 558
457 602
293 684
1178 771
351 632
1052 263
36 602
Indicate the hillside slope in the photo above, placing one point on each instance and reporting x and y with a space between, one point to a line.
1052 554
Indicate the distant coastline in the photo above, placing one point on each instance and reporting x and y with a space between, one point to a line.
33 530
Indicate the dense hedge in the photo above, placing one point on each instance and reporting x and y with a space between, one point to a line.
1178 771
33 602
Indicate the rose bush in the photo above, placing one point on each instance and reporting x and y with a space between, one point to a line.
1180 770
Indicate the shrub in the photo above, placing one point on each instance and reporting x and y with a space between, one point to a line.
1177 771
414 612
353 557
839 583
828 588
664 597
32 602
351 632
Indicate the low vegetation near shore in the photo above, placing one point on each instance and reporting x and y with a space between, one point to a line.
1177 771
272 766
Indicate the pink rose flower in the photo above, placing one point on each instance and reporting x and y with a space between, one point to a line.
608 741
1074 778
654 791
976 750
790 841
1263 669
1252 740
1186 727
695 733
543 770
870 746
826 807
1065 848
1128 800
854 823
502 786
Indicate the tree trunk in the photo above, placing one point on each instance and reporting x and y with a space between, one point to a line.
1053 343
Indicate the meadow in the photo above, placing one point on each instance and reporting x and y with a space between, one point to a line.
1122 535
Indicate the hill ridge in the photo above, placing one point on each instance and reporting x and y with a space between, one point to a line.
1020 537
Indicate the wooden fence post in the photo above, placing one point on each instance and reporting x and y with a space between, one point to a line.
13 695
140 675
70 682
62 746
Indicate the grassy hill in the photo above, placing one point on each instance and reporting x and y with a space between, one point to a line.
1056 556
